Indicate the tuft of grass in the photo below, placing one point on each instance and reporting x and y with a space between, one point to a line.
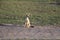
41 13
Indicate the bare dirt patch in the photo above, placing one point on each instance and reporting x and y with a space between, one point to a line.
38 32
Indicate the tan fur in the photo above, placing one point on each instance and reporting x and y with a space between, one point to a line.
27 22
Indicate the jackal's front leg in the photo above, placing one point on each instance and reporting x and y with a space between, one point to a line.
27 25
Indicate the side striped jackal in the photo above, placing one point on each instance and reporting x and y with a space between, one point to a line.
27 22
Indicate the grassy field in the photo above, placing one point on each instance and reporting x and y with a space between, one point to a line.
41 12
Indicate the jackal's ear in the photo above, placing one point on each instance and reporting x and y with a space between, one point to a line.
28 14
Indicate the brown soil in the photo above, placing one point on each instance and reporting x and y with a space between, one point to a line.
38 32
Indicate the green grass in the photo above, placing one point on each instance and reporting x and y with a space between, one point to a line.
41 13
32 0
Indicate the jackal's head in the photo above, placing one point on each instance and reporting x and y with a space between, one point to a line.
27 14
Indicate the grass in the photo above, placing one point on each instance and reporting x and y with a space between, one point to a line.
41 13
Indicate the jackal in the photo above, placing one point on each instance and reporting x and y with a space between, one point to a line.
27 22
